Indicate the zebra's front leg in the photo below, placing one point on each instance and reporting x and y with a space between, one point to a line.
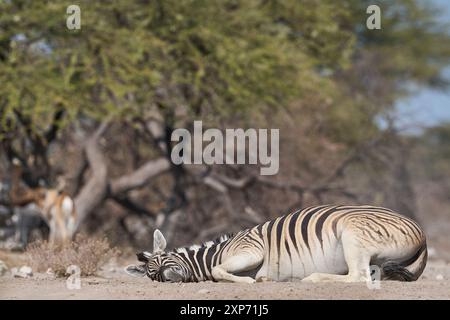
236 263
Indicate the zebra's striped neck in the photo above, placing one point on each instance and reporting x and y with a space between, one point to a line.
200 259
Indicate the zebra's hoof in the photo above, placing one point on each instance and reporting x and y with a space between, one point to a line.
247 280
263 279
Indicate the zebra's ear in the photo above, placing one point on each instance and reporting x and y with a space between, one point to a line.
136 271
159 242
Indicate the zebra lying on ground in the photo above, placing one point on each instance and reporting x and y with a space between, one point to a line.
321 243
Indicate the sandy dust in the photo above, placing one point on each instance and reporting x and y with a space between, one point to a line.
113 283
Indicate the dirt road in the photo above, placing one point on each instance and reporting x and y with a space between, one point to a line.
114 284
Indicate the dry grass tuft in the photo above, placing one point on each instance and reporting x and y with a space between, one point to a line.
89 254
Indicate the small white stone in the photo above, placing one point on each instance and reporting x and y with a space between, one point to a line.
26 270
439 277
203 291
23 272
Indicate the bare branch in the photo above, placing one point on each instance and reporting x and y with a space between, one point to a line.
139 177
76 179
95 190
215 184
234 183
356 154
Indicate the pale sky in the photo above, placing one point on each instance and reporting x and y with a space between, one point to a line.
427 107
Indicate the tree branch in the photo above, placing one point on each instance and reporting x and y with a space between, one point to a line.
95 190
52 132
76 179
234 183
139 177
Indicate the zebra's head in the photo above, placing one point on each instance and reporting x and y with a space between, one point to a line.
160 265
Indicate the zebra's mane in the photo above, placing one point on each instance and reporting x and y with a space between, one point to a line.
206 244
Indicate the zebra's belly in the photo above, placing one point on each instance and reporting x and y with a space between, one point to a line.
298 265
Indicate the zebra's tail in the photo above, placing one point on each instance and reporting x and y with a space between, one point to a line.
407 270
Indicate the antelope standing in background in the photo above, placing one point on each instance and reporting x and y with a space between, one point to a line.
56 207
321 243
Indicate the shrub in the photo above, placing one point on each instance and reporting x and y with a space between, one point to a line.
89 254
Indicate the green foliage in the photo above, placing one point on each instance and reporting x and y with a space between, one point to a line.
216 58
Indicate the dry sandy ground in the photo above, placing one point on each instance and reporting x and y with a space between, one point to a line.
114 284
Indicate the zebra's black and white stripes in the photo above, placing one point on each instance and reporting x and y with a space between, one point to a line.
321 243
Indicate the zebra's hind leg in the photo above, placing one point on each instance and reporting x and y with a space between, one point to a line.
236 263
358 270
358 261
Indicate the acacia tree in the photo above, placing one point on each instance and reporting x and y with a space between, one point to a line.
151 66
